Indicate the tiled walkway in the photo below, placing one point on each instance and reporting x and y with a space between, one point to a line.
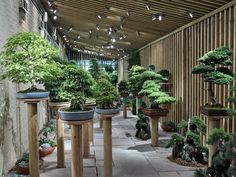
131 157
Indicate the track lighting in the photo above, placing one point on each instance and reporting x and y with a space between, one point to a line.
99 16
190 14
148 6
78 36
54 17
160 17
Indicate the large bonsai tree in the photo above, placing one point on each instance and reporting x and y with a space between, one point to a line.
213 67
77 85
105 94
151 89
26 58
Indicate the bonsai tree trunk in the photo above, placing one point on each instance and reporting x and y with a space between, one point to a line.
211 94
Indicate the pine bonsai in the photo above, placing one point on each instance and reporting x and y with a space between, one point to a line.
213 67
27 59
105 94
95 69
123 88
152 90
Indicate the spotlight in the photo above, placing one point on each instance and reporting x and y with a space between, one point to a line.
90 31
55 11
128 13
160 17
148 6
60 28
97 27
113 40
121 37
191 14
124 36
99 16
110 29
74 41
64 36
78 36
154 17
112 46
109 32
54 17
70 29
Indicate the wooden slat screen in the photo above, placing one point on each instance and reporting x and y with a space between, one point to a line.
178 52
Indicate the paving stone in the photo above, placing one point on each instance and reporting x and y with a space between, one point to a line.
169 174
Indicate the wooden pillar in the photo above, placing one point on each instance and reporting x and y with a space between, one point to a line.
76 151
60 143
91 131
33 139
107 133
86 143
154 130
125 108
101 123
213 123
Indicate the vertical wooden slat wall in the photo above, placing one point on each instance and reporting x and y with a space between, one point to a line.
178 52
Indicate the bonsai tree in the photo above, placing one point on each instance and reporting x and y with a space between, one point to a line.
168 125
27 58
77 85
94 69
143 127
232 100
152 90
54 83
105 94
213 67
123 88
134 59
165 73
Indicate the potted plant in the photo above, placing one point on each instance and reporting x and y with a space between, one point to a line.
78 85
46 143
123 88
105 95
157 97
22 164
168 126
26 59
213 68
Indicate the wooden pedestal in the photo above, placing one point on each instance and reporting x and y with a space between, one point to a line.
214 122
76 147
107 140
154 130
86 142
101 123
33 135
91 131
125 108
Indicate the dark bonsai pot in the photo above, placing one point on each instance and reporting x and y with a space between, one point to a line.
213 111
32 95
77 115
107 111
155 112
167 128
24 170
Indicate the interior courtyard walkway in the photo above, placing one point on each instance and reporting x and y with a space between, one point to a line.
131 157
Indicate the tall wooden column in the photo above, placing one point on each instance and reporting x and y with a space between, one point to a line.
154 130
107 147
214 122
60 143
33 138
125 107
86 142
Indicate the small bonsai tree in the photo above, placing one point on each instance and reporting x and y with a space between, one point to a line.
27 58
213 68
123 88
143 127
152 90
77 85
165 73
105 94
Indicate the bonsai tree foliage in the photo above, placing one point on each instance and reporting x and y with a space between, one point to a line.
224 154
134 73
152 90
213 69
26 58
143 127
165 73
77 85
134 59
123 88
105 94
94 69
232 100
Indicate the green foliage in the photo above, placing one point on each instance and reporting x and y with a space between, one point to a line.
24 158
151 67
217 77
164 73
168 123
194 136
113 77
95 69
182 124
199 124
175 140
108 69
152 90
123 88
232 100
27 58
48 128
105 94
77 85
134 59
217 135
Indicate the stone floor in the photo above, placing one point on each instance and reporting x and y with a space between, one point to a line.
131 157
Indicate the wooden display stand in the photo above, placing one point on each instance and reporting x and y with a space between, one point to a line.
125 107
60 136
86 139
33 135
76 147
214 122
107 143
154 130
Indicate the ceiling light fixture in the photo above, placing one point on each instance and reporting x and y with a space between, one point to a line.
54 17
99 16
160 17
90 31
148 6
64 36
113 40
70 29
74 41
190 14
124 36
97 27
78 36
60 28
154 17
55 11
121 37
112 46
